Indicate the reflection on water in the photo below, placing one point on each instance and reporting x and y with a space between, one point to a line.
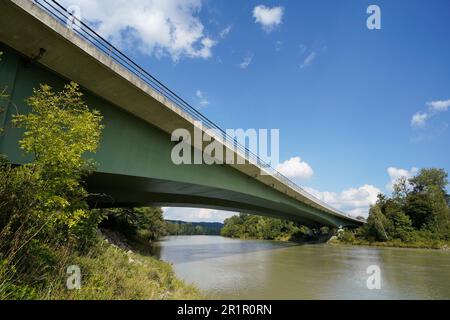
236 269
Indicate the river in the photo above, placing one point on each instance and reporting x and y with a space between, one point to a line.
244 269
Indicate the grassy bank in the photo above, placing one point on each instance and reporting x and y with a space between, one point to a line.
108 272
112 273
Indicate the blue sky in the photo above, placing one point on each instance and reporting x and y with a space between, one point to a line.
358 107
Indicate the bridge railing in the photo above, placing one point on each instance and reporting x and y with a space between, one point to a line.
84 31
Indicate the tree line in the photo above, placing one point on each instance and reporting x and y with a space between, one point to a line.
179 228
148 224
417 213
246 226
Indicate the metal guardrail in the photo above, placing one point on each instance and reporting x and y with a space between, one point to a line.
62 15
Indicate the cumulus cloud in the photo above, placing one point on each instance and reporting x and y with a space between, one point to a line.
439 105
247 61
309 60
355 201
158 27
360 197
395 174
269 18
295 168
196 215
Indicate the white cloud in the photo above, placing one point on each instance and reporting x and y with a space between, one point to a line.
434 107
355 201
395 174
203 100
225 32
247 61
295 168
330 198
439 105
196 214
158 27
269 18
419 119
359 212
309 60
360 197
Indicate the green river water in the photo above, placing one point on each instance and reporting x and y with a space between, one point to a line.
241 269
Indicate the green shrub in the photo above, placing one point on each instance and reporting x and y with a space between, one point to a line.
346 236
147 222
43 204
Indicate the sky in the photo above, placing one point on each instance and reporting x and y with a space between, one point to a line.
356 108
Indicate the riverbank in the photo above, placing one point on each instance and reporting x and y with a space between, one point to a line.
287 239
434 244
111 270
123 270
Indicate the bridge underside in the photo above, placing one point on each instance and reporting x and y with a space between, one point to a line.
134 163
124 191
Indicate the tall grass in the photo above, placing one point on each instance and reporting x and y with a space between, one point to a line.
108 273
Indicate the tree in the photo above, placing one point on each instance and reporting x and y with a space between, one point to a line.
401 190
419 209
402 226
389 206
439 222
256 227
232 227
427 204
428 178
151 221
146 221
46 196
43 203
377 225
59 130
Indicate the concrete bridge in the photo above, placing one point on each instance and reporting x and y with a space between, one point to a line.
134 163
